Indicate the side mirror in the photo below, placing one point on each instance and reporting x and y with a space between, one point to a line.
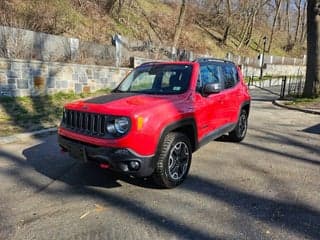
211 88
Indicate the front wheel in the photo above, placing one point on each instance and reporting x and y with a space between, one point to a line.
238 134
174 160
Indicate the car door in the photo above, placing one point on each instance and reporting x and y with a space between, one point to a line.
231 93
208 108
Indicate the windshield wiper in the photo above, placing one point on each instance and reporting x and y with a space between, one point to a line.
118 91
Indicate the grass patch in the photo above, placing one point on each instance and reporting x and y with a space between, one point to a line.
274 77
25 114
305 100
306 103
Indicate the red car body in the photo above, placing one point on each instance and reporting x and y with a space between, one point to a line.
199 116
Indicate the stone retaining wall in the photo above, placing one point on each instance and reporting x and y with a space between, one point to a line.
31 78
275 70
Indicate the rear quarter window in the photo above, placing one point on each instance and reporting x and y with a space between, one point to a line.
231 77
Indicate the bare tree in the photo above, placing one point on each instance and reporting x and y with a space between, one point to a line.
112 5
297 3
303 31
312 85
277 6
245 27
280 19
288 22
252 10
179 25
228 20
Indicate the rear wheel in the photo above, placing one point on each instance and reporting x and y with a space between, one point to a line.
239 133
174 160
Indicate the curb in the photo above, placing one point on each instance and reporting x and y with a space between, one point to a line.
277 103
22 136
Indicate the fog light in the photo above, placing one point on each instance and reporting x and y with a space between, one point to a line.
134 165
124 167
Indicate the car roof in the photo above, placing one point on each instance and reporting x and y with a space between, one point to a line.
167 63
213 60
196 61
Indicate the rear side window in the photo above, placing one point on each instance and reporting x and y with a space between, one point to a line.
230 76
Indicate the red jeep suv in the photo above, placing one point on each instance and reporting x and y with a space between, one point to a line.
157 117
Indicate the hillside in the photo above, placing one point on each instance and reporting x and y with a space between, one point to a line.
202 29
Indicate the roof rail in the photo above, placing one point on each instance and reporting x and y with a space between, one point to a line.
209 59
152 62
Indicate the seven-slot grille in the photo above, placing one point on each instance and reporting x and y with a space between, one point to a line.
84 122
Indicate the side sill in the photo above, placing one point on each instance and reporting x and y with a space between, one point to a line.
215 134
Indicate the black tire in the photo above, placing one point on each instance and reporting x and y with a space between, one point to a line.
174 161
239 132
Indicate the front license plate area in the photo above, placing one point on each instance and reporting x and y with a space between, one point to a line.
78 153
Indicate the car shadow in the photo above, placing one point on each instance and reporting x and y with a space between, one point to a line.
47 159
315 129
79 179
292 215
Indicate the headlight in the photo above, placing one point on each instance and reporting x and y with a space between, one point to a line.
121 125
118 126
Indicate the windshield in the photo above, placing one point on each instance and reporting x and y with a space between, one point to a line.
157 79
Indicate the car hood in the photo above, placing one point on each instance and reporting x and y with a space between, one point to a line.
127 103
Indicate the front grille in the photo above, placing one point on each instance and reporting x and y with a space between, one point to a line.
92 124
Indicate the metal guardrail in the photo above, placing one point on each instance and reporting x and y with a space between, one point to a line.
285 86
292 86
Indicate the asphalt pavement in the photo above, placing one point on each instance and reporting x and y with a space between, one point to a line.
266 187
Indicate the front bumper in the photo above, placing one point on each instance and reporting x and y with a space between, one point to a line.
119 159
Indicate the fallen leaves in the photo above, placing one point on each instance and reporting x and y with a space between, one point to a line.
97 209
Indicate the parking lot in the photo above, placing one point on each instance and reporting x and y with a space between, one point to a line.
266 187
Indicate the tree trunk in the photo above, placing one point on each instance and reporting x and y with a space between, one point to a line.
179 25
243 27
288 23
226 31
279 25
304 35
151 25
225 34
278 6
298 6
253 13
111 5
252 23
249 35
303 23
312 85
245 32
120 6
